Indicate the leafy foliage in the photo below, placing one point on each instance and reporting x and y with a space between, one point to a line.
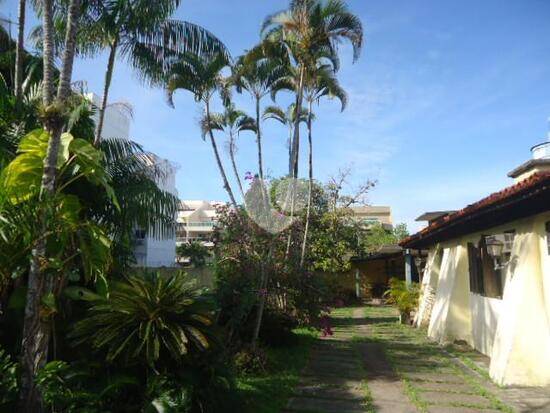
151 320
8 379
195 251
377 236
404 296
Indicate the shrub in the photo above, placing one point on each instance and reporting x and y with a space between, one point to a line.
85 388
147 320
277 326
250 362
405 297
8 379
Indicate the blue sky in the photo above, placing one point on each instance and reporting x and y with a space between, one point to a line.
446 98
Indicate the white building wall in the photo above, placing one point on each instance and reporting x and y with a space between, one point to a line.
150 251
162 252
116 123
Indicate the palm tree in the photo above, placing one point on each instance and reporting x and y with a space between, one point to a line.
19 51
148 39
202 77
308 29
322 82
256 75
233 122
36 331
288 119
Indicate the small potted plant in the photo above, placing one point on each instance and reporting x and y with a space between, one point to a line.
404 297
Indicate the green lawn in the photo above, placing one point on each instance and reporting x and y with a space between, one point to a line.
269 392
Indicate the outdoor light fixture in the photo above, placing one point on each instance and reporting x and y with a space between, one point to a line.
495 249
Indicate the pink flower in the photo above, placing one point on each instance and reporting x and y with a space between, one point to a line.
248 176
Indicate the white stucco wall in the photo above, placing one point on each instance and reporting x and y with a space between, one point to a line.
430 280
515 330
485 313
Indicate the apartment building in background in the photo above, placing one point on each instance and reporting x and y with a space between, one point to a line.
149 251
371 215
196 221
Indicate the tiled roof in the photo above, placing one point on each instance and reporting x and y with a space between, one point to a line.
515 194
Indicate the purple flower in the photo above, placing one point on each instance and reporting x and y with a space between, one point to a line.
248 176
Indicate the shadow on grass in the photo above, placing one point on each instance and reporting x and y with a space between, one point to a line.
269 392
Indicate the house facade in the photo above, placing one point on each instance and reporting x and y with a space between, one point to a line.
487 276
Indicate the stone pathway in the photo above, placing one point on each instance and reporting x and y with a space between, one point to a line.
374 364
333 380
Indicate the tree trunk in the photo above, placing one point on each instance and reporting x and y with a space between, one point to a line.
295 154
259 139
234 164
296 138
219 161
65 77
36 328
310 184
20 51
47 46
264 280
106 86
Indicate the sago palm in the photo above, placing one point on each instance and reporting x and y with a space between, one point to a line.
203 78
148 318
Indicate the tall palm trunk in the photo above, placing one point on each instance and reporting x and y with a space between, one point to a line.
264 281
234 163
19 51
36 328
310 183
296 138
295 154
259 139
106 86
218 159
47 45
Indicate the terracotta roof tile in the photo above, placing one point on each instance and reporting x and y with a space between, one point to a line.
492 200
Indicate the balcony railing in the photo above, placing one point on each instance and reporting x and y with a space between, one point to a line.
198 224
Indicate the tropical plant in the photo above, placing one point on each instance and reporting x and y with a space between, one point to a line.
36 332
288 119
141 33
233 122
20 50
8 379
404 296
320 82
203 78
196 252
150 320
256 75
310 29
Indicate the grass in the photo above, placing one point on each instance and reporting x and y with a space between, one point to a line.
269 392
401 342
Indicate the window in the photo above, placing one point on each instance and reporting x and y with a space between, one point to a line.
548 236
488 275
